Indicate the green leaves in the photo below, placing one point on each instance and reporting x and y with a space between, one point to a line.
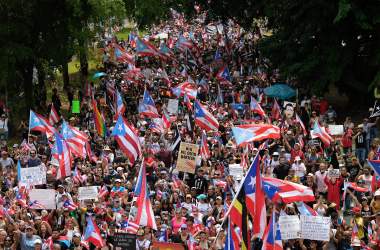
344 8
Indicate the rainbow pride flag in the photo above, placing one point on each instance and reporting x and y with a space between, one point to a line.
99 120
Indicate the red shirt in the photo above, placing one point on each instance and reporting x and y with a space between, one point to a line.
295 153
333 191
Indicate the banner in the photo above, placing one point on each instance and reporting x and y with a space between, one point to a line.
315 227
166 246
33 176
87 193
172 106
75 107
290 227
187 157
124 240
42 198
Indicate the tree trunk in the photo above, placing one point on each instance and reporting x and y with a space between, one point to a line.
65 75
27 74
83 61
41 90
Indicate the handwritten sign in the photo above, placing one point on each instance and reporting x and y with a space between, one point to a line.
236 170
333 173
33 176
315 227
336 129
125 240
172 106
42 198
290 227
187 157
87 193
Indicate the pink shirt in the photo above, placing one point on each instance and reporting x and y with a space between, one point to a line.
177 225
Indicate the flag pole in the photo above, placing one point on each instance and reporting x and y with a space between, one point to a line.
235 198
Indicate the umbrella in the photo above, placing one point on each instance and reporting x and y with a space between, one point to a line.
98 74
280 91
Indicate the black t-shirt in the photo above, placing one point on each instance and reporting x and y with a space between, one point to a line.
281 171
354 171
360 140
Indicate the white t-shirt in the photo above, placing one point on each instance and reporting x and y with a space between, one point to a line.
300 169
6 163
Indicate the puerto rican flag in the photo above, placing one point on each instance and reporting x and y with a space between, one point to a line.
39 123
187 88
204 119
182 43
298 119
103 191
305 209
255 199
53 116
144 48
127 139
92 233
188 103
165 120
255 107
121 55
157 126
75 139
205 152
255 132
375 164
286 191
120 107
164 76
148 107
64 158
129 227
145 215
70 205
224 76
272 236
36 205
321 133
165 52
77 177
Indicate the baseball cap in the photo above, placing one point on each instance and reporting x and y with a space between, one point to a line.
77 235
37 241
219 198
183 226
275 154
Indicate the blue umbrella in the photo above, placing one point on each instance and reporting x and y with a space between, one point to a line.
280 91
98 74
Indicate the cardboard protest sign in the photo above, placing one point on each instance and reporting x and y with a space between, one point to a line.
167 246
290 227
42 198
315 227
87 193
333 173
172 106
33 176
124 240
187 157
336 129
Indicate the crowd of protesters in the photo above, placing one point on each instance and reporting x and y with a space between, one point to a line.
192 205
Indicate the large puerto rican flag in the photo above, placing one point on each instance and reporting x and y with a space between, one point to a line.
204 119
63 157
255 132
76 140
39 123
92 234
127 139
121 55
188 88
145 215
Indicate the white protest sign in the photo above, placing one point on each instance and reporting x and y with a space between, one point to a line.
172 106
42 198
315 227
87 193
291 103
336 129
333 173
33 176
290 227
236 170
